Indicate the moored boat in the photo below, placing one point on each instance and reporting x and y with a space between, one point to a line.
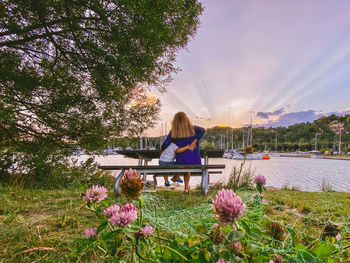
266 156
227 155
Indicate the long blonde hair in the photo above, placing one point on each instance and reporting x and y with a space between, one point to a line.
181 126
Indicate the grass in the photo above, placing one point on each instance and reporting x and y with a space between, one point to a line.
54 219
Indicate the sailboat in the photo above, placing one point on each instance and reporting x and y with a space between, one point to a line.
315 154
266 155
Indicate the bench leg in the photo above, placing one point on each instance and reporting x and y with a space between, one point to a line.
116 183
144 179
155 186
205 182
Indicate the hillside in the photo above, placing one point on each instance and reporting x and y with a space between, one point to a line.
299 136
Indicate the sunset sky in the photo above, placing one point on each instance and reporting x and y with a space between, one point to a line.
280 62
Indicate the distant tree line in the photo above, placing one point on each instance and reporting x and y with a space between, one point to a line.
300 136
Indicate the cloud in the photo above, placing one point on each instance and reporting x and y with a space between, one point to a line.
291 118
345 112
202 118
267 115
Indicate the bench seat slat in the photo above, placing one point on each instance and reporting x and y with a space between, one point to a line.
157 167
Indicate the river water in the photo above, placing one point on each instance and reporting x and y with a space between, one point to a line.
302 173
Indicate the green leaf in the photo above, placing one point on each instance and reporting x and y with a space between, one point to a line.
307 256
141 201
101 227
292 233
112 234
174 251
256 232
293 260
235 236
131 236
323 251
206 254
300 247
84 243
245 226
164 260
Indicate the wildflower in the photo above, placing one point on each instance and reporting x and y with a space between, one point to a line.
90 232
329 231
146 231
276 231
236 247
221 260
248 150
277 259
125 216
127 208
111 210
228 206
216 235
271 261
338 237
260 179
95 193
131 185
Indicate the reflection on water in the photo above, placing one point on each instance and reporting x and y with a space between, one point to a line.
302 173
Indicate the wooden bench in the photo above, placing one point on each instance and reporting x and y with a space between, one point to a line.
158 171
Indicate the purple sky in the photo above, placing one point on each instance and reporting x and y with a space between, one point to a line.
280 62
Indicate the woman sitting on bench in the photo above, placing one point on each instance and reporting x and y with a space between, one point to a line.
183 133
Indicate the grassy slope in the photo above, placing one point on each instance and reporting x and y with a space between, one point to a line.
55 218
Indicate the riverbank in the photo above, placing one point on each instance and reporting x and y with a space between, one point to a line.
343 157
33 220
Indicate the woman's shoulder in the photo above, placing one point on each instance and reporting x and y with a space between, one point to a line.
198 128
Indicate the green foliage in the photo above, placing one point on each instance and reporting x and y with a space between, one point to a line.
246 240
57 219
240 178
60 173
78 72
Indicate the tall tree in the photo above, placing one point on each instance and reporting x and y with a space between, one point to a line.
79 71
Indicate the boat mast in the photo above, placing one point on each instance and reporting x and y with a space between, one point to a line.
340 132
243 145
251 130
232 139
141 143
227 140
223 141
276 143
316 141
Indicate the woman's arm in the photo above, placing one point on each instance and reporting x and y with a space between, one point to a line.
167 142
193 145
198 132
182 149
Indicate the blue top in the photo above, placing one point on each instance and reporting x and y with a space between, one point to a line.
188 156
